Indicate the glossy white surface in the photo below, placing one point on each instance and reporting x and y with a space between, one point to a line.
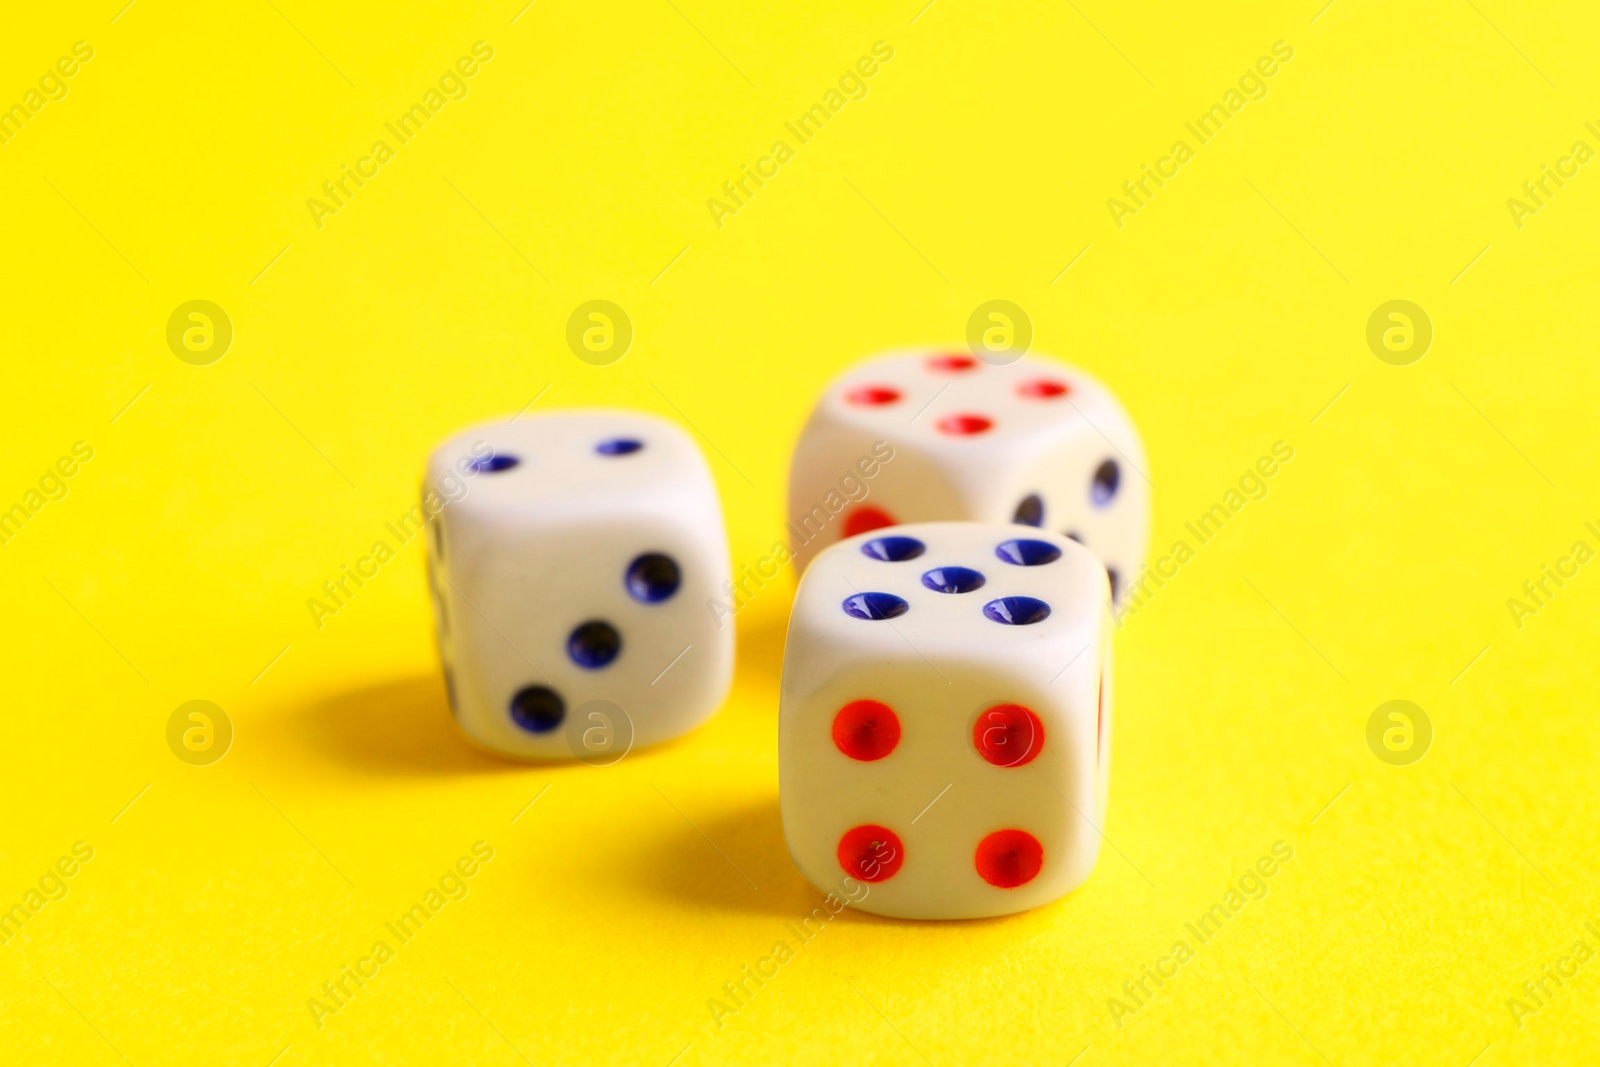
525 555
941 666
1049 446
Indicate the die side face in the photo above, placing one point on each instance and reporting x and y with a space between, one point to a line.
951 752
1087 491
570 585
1034 442
1103 723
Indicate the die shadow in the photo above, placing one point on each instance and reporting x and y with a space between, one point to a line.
397 728
735 860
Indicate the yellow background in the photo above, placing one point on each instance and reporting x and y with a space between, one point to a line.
1227 314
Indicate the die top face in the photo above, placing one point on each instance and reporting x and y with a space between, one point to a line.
578 464
962 590
954 403
1035 442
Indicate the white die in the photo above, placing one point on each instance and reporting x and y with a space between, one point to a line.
955 761
1034 441
575 567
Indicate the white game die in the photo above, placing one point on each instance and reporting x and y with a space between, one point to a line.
1033 441
569 583
945 720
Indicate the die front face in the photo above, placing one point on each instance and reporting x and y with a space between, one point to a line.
570 579
1034 442
943 728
